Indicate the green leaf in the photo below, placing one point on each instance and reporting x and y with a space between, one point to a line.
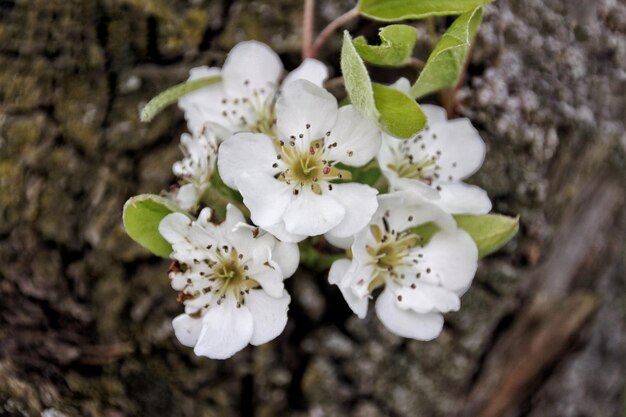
368 174
447 60
400 115
395 10
395 49
357 80
172 94
489 231
142 215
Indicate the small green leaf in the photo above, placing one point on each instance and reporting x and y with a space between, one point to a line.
395 10
395 49
489 231
172 94
368 174
446 62
142 215
357 80
400 115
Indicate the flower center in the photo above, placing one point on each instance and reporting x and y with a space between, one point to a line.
255 112
389 252
308 167
424 168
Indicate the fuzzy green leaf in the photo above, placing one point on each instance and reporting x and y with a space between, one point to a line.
446 62
357 80
395 49
172 94
400 115
142 215
489 231
395 10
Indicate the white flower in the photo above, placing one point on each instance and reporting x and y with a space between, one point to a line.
230 277
436 160
196 168
244 100
421 279
289 183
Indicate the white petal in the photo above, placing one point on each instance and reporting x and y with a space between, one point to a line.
267 272
339 275
187 329
405 209
246 153
403 85
434 114
427 298
358 138
174 227
265 196
302 103
234 217
187 196
359 202
452 257
461 198
280 232
312 214
407 323
339 242
254 62
226 329
287 256
462 148
269 315
311 70
202 106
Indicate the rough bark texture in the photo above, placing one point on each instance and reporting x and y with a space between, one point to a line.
85 313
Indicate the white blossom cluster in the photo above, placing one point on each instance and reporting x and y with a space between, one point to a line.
288 148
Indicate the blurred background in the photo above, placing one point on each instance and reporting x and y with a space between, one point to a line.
85 313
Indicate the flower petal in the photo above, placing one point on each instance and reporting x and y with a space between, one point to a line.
266 197
358 138
340 276
269 315
302 103
424 297
406 209
287 256
407 323
461 198
311 70
434 114
359 202
226 329
200 106
174 227
187 196
246 153
339 242
462 149
452 257
281 233
187 329
312 214
267 272
403 85
253 62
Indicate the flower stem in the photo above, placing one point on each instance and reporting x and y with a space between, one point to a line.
329 29
307 27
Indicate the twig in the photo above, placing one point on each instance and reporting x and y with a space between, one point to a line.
329 29
307 27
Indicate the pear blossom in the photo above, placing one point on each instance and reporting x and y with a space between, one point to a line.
291 183
244 100
436 160
230 277
196 168
421 278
